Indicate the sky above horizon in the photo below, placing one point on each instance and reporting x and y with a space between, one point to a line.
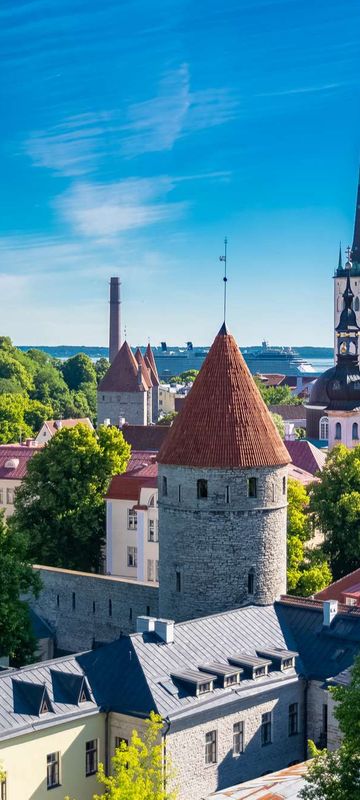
136 134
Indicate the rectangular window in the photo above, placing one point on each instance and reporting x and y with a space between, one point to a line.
284 485
210 747
132 520
238 738
178 580
73 601
293 719
252 487
179 494
227 494
151 530
324 731
1 497
150 570
119 740
3 789
164 486
52 770
132 556
157 571
202 489
91 757
10 496
266 728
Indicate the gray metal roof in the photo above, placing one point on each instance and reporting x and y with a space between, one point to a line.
192 676
221 669
279 654
249 661
23 690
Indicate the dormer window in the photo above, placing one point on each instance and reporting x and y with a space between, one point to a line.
194 681
202 489
44 707
205 687
281 659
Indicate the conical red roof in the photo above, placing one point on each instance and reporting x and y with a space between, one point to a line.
139 358
224 421
154 379
150 355
122 375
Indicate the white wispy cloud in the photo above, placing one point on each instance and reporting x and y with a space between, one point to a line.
76 145
105 210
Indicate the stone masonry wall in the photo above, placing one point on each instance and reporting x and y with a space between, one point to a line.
318 697
186 742
129 405
213 544
84 608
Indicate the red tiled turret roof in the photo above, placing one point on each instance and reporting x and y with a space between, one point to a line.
150 355
122 375
139 358
154 378
224 421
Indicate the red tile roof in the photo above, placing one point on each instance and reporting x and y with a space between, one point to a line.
154 378
271 378
141 458
142 471
122 375
145 437
55 425
150 355
305 455
224 421
337 590
139 358
22 454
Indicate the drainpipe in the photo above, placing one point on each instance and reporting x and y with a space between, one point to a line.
306 687
165 733
107 760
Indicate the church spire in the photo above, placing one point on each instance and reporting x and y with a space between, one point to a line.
340 265
355 250
347 330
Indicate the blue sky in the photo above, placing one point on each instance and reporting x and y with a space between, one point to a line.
136 134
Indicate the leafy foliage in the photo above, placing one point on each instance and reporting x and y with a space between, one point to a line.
16 577
184 377
138 768
280 424
277 395
335 503
308 571
78 370
167 419
60 505
335 775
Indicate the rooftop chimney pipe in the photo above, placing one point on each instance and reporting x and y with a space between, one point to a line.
115 322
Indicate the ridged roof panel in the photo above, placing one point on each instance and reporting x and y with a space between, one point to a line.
224 422
122 375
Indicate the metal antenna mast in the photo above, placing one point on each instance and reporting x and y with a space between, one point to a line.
224 259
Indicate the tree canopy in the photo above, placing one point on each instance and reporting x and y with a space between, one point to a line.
60 503
16 577
185 377
335 504
335 775
308 571
138 768
276 395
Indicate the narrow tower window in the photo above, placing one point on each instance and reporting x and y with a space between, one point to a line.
338 430
251 581
164 486
357 304
178 580
252 487
202 489
179 493
227 494
355 430
284 485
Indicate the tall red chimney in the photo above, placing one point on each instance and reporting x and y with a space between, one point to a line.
115 323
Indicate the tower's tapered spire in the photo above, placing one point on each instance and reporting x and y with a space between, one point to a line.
355 250
340 266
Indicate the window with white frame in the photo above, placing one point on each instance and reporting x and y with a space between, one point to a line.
52 770
1 497
293 719
324 428
10 496
132 519
151 531
338 430
238 738
350 601
266 728
132 556
210 747
150 569
91 757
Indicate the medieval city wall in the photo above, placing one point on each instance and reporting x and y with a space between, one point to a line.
84 608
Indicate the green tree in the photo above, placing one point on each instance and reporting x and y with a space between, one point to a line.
335 504
276 395
185 377
16 578
13 427
101 367
11 369
280 424
50 388
138 768
77 370
167 419
307 569
60 504
335 775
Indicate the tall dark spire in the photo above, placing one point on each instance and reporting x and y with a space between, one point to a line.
340 266
355 250
347 330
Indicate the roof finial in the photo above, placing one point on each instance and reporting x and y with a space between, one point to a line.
224 259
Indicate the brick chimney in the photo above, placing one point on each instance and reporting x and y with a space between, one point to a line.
115 319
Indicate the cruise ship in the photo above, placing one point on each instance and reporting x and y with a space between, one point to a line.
262 360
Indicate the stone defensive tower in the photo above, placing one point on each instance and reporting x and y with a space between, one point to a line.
115 320
222 494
